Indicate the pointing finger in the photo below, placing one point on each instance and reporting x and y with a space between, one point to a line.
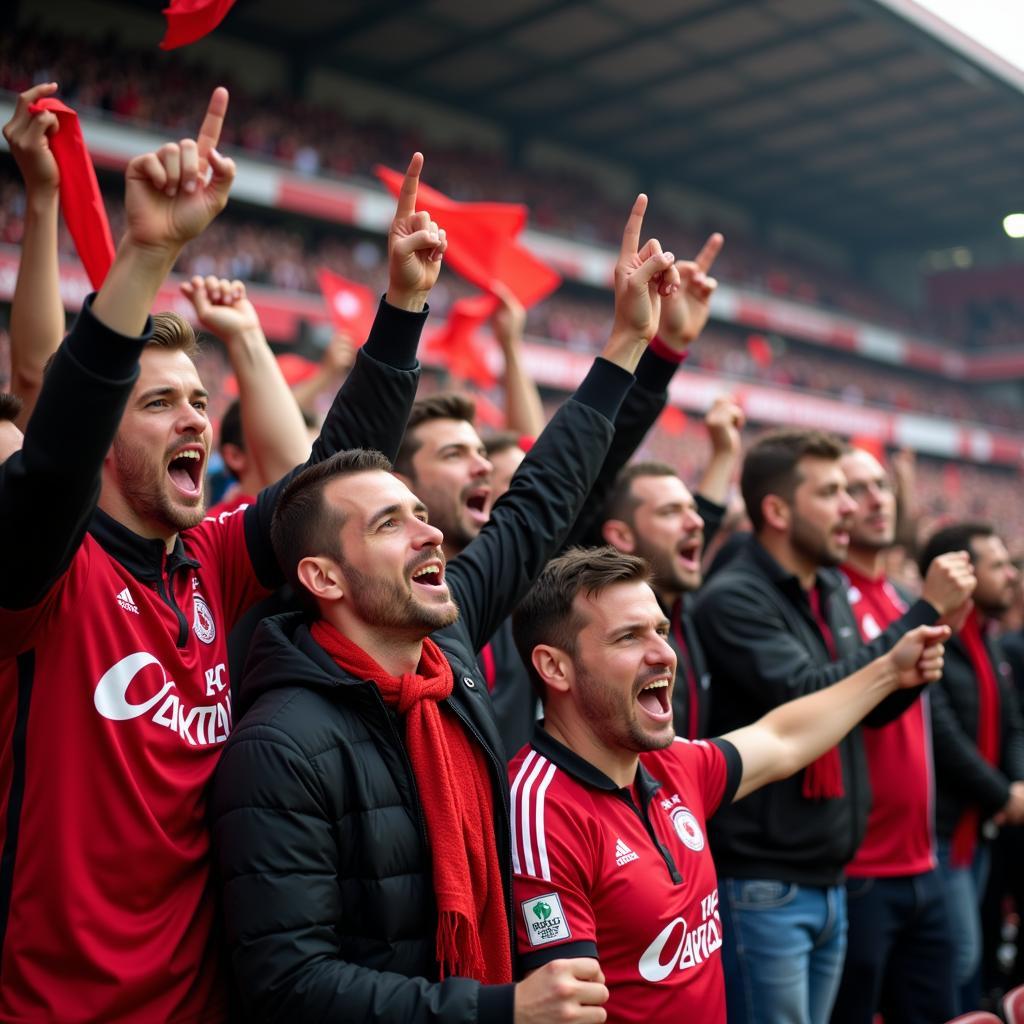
631 236
712 247
410 186
213 124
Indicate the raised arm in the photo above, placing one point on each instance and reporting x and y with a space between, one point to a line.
530 523
372 406
792 735
523 410
272 424
50 488
37 313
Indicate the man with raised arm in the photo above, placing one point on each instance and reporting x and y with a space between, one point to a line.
610 809
360 811
115 601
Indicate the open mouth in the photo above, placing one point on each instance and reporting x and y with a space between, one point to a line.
186 471
688 553
429 575
655 699
477 504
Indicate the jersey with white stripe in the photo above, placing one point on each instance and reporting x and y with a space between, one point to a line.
631 884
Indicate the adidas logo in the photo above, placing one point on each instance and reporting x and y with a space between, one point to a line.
623 854
124 599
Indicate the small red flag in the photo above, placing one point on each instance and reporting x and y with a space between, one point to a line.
189 20
352 306
458 345
760 350
80 199
672 421
295 369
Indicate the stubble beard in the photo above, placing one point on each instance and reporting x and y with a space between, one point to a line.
144 487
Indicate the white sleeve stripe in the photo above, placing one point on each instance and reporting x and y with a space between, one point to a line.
523 769
542 841
524 816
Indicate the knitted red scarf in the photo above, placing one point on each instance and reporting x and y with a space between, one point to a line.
452 779
965 835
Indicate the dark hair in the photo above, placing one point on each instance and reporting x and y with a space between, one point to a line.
546 615
10 406
771 466
231 427
501 441
622 503
956 537
446 405
304 524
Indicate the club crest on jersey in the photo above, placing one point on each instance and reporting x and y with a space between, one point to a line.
202 620
545 921
688 829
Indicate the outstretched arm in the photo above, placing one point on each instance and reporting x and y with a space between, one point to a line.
50 488
524 412
37 313
274 431
794 734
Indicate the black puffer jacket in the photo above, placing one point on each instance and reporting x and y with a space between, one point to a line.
319 836
963 778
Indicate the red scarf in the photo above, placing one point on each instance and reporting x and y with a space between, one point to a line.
452 779
823 778
965 835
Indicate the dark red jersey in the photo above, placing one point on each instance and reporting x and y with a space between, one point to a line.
597 875
900 835
235 502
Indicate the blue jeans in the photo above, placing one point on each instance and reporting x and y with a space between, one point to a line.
899 956
782 950
964 890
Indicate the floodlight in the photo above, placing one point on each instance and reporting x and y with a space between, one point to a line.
1013 225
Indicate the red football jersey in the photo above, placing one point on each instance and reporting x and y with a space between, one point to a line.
633 886
114 704
900 837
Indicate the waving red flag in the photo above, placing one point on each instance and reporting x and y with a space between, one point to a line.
80 199
189 20
457 343
352 306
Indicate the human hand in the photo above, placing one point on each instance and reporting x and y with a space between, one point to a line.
918 655
28 136
684 311
1012 812
724 420
562 991
221 306
509 318
415 246
168 200
339 355
949 583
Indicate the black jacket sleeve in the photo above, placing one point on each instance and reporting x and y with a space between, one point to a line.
959 766
369 411
285 947
747 638
640 410
713 515
531 521
50 488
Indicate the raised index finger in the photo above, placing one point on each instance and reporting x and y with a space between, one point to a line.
213 123
37 92
708 254
631 236
410 186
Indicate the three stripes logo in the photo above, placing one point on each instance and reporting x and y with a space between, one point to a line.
623 854
125 600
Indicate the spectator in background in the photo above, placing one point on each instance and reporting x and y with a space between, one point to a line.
11 437
979 744
776 624
899 956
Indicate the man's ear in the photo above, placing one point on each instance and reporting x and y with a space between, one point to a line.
554 667
321 576
234 458
619 534
776 512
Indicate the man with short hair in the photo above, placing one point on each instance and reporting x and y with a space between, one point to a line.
360 811
776 625
610 808
899 957
116 595
978 738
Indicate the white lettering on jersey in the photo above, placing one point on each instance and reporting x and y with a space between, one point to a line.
694 947
197 726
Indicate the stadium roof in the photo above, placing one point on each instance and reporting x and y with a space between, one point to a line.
838 115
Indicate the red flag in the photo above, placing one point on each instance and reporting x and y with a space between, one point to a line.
457 344
352 306
673 421
189 20
871 445
481 242
80 199
488 414
294 367
760 350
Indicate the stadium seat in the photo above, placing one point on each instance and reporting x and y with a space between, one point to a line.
1013 1005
